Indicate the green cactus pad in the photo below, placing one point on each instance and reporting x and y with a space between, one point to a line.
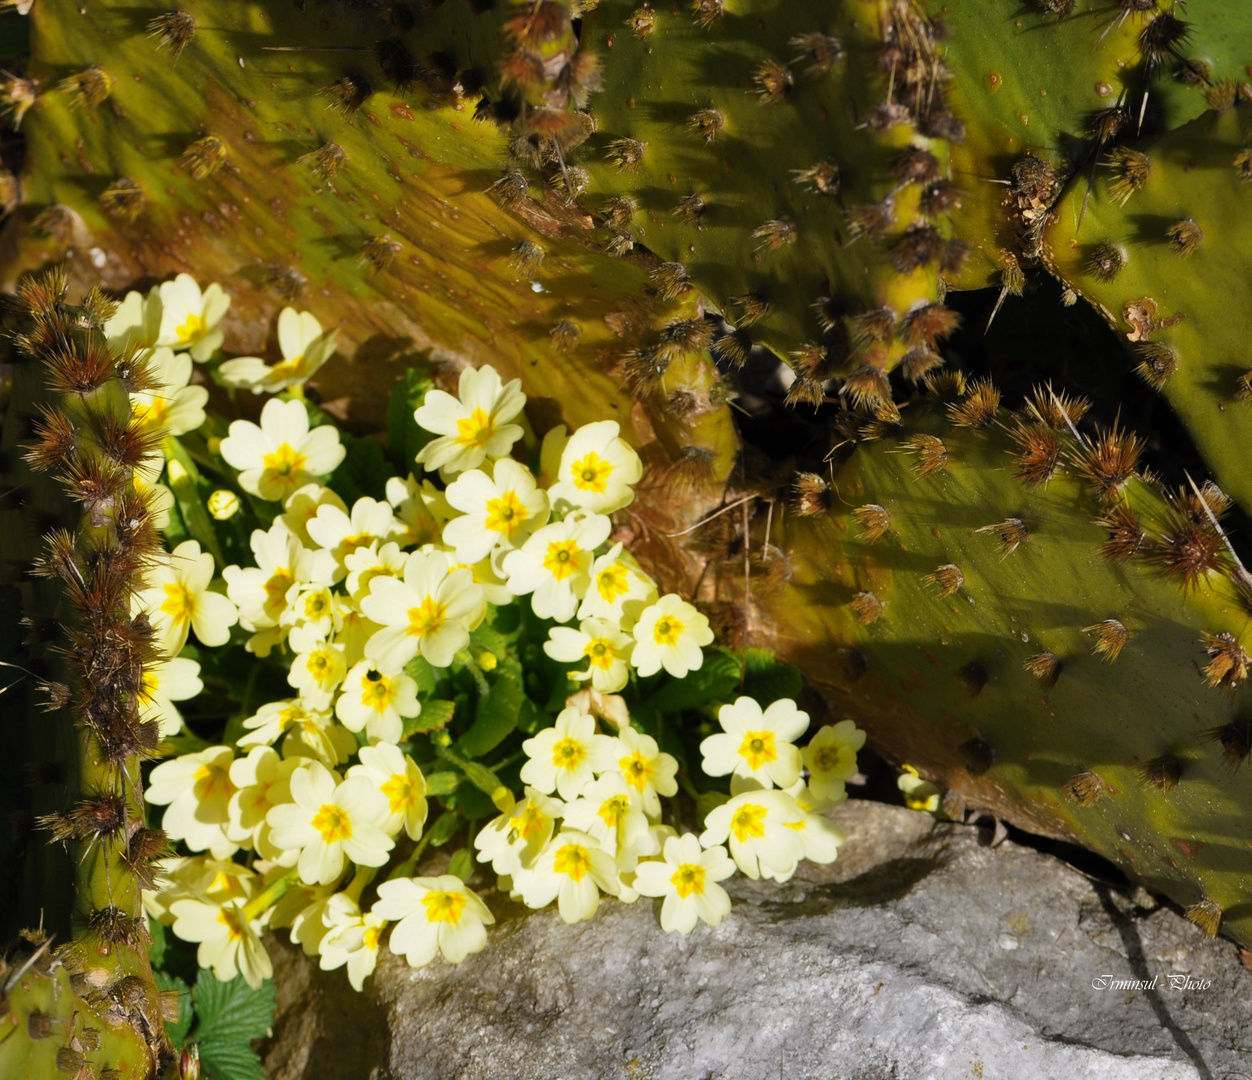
1175 275
974 636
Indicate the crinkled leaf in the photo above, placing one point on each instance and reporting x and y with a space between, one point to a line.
364 470
717 679
495 718
229 1015
419 670
435 716
769 680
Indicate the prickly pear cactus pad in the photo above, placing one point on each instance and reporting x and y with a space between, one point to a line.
1070 638
1159 253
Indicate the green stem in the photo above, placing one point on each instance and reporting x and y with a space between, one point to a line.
270 895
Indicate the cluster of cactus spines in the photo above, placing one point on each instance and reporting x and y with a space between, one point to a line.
1031 616
83 996
1159 253
1068 82
795 176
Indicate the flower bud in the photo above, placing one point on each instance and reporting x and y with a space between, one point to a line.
223 504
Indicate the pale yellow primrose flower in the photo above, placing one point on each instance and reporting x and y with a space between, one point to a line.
351 938
376 700
473 428
603 644
554 565
306 732
757 744
170 406
572 870
611 813
400 782
196 790
830 758
820 836
433 915
262 781
619 590
513 840
196 876
598 470
421 509
178 600
164 683
687 878
301 507
318 668
262 592
567 756
329 823
341 533
497 511
230 943
305 349
367 563
189 317
136 323
429 612
919 794
648 771
282 454
670 635
761 827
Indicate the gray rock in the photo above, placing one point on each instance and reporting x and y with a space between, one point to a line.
918 954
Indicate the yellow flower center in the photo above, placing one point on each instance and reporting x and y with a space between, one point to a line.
286 465
748 822
637 769
288 369
427 617
213 782
148 684
276 588
444 906
291 716
233 921
321 665
476 430
371 936
591 473
401 793
601 653
506 514
151 413
333 823
613 810
179 603
568 754
667 630
688 880
316 604
758 748
529 822
191 330
561 561
224 886
349 544
612 582
377 691
574 861
828 759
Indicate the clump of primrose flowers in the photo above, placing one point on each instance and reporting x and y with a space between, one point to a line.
461 656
